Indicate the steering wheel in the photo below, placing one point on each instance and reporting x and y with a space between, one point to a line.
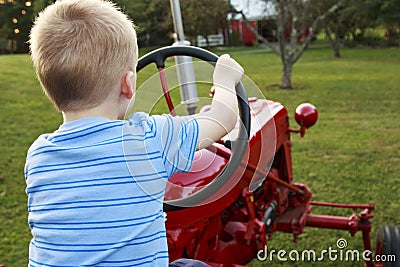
238 146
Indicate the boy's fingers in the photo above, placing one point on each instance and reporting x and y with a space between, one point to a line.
227 69
227 61
225 56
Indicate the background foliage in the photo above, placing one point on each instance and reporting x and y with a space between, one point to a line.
153 18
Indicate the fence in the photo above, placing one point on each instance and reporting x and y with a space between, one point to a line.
213 40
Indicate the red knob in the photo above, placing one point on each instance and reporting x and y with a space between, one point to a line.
306 115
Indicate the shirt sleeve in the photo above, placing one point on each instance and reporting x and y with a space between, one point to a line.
177 138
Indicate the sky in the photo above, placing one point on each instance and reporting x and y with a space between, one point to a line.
253 9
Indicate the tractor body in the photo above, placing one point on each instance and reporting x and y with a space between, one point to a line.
261 198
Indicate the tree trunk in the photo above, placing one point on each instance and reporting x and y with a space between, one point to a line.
286 80
334 42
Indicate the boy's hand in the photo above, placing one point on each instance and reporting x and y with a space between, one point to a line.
223 114
227 72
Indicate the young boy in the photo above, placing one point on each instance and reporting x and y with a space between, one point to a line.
95 186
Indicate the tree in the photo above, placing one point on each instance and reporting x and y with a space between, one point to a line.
15 20
332 24
39 5
204 17
159 21
146 14
359 15
295 30
390 13
390 18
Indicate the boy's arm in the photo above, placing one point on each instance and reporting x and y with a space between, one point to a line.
223 114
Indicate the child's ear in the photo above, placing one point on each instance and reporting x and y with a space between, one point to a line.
128 84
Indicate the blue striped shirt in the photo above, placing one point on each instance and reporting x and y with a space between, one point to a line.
95 189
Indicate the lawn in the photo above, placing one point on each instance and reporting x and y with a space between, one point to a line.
352 154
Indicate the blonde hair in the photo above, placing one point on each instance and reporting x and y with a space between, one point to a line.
80 49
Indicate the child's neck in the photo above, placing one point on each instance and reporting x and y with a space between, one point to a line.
104 110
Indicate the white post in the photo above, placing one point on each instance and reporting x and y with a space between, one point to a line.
177 18
185 71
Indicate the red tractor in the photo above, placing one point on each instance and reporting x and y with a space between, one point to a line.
241 191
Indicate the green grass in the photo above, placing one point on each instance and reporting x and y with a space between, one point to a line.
350 156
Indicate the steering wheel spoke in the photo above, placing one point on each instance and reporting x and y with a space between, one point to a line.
167 96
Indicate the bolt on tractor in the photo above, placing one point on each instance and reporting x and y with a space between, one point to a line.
241 189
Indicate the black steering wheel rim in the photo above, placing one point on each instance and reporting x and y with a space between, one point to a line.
239 145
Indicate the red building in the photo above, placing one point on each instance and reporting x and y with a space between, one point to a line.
245 34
